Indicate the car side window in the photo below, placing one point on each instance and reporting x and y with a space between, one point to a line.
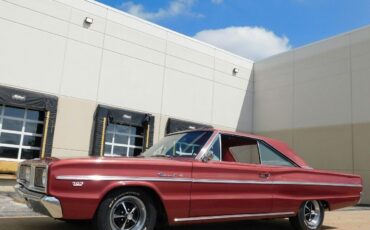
239 149
216 149
270 156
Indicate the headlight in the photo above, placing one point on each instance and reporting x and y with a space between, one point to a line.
44 178
40 177
27 174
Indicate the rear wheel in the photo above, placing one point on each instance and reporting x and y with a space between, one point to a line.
309 217
126 210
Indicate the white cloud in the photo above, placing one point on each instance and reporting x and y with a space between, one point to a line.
217 2
251 42
174 8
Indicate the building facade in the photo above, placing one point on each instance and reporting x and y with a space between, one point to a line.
79 78
117 83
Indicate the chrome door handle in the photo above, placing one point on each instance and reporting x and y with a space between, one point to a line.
265 175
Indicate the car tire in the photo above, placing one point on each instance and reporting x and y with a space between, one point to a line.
126 209
310 216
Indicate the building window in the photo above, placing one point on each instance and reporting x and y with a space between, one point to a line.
20 133
123 140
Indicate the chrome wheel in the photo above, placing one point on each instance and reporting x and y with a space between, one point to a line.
312 214
128 213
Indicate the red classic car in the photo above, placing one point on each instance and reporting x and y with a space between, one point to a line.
188 177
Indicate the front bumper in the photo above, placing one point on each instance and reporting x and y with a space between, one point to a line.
41 203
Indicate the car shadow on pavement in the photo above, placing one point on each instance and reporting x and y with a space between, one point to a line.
45 223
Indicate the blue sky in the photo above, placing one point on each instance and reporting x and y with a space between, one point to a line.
294 22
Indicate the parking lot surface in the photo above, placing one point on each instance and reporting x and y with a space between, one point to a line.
348 219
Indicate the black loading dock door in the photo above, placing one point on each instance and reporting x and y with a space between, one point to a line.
121 132
175 125
27 121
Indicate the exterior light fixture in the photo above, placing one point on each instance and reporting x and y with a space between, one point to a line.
235 71
89 20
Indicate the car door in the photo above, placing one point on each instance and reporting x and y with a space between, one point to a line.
226 186
284 174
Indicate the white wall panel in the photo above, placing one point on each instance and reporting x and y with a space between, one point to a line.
81 71
30 58
78 18
190 54
130 83
47 7
134 36
33 19
228 104
189 67
187 97
132 50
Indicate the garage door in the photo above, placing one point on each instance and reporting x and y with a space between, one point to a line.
20 133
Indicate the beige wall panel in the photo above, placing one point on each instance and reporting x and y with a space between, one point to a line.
327 147
361 63
157 128
73 126
337 48
187 97
273 81
361 146
81 71
366 180
329 69
62 153
189 67
225 128
134 51
323 102
123 79
360 42
273 109
361 96
31 18
281 63
19 65
285 136
162 126
120 31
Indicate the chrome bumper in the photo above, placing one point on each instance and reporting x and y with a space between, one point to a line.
361 196
46 205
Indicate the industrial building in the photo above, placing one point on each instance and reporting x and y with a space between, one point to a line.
79 78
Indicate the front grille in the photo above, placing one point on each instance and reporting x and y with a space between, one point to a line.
38 176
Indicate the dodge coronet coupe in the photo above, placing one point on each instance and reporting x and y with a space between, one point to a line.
188 177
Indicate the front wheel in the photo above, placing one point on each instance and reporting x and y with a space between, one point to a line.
126 210
310 216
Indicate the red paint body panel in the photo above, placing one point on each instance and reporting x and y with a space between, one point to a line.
208 189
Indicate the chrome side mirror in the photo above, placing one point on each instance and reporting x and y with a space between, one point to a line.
208 156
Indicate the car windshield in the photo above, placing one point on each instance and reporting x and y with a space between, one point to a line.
186 144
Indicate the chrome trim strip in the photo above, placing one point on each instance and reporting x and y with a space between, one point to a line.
122 178
234 216
209 181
